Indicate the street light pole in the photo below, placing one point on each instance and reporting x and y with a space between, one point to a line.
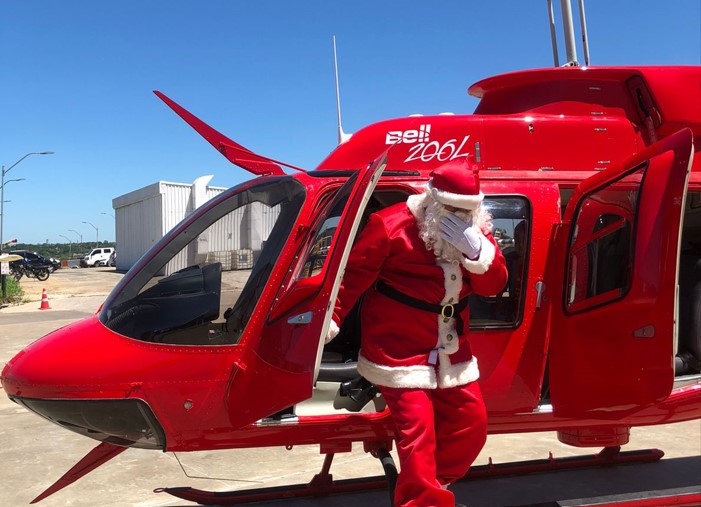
70 246
79 234
97 234
3 281
2 205
113 218
2 195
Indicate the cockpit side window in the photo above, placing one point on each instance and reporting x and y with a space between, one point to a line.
511 230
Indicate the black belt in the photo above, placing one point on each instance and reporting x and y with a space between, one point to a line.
448 311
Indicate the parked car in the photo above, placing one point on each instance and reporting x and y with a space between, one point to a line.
97 257
36 260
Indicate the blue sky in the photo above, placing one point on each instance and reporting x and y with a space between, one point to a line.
77 76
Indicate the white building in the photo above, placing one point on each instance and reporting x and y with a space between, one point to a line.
144 216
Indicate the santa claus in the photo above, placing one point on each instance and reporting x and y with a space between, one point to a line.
416 263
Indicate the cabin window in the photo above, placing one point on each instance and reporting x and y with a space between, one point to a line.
511 230
318 248
600 260
207 275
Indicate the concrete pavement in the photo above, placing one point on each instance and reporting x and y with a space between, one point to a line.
35 453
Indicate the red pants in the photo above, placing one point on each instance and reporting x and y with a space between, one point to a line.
439 434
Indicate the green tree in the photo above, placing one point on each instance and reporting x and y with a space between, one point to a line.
60 250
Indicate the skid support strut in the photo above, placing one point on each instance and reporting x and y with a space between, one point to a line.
322 484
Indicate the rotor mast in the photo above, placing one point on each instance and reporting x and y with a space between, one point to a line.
568 32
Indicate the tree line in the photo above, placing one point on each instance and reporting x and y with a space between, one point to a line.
60 250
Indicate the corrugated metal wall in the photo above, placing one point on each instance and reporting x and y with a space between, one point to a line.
240 233
270 216
176 206
144 216
138 223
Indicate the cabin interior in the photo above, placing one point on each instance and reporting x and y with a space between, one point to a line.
688 358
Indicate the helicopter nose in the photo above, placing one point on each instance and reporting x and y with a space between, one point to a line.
65 378
65 363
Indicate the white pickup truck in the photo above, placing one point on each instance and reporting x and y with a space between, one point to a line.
97 257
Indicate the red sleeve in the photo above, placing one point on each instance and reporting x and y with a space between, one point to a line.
364 265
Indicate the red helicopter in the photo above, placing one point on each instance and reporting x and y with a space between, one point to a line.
214 338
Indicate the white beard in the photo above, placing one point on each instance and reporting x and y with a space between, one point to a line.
430 231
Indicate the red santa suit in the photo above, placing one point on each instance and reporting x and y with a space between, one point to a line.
421 359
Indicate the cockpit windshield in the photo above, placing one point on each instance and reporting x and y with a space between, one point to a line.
200 284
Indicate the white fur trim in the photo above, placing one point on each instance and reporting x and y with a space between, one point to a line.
332 332
461 201
484 261
417 206
447 335
419 376
453 375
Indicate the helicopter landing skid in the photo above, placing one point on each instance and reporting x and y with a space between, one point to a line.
608 456
323 484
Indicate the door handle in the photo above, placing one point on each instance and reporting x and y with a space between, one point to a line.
644 332
539 289
302 318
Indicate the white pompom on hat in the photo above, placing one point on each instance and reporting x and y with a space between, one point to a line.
457 183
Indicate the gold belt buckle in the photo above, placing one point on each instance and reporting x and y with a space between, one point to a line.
445 315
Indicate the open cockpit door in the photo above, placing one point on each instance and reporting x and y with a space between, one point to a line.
614 323
278 369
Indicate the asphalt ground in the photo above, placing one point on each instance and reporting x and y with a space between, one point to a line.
34 452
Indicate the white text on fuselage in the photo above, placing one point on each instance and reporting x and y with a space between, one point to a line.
424 149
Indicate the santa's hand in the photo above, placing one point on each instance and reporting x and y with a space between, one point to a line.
332 332
461 235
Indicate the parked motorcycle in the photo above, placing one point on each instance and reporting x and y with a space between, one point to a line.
18 269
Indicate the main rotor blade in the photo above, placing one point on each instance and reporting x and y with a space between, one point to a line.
233 151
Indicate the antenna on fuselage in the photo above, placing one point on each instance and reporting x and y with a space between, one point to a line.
342 136
568 29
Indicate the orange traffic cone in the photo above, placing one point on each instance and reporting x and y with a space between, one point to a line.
44 301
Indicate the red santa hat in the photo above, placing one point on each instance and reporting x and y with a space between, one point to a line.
456 183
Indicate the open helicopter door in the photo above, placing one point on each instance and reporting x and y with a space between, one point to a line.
278 371
613 325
